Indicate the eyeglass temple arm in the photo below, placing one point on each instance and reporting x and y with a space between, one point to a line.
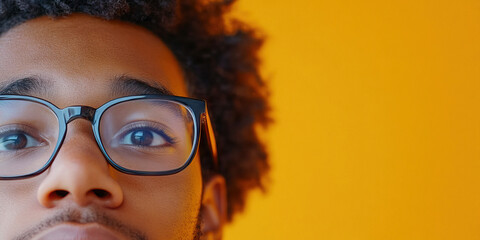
210 137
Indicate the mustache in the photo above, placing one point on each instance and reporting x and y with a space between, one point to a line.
85 216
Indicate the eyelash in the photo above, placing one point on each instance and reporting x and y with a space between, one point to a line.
19 129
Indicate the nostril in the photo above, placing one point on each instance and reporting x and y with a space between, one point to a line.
61 193
101 193
58 194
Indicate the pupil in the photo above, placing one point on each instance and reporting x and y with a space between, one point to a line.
16 141
142 137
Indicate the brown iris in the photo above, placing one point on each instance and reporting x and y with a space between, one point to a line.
142 138
15 141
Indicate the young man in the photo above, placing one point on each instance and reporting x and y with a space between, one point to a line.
102 111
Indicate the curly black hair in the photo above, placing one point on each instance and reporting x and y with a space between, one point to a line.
220 62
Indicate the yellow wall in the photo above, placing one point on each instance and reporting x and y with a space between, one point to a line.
377 109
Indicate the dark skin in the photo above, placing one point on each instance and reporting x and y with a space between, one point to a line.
76 60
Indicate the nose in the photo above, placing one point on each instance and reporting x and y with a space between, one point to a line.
80 174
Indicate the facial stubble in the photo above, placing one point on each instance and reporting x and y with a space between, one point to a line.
93 216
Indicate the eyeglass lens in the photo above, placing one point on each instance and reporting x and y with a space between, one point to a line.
151 135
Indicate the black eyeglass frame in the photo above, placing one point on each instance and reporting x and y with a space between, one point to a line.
197 108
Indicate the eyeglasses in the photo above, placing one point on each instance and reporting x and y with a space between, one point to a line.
140 135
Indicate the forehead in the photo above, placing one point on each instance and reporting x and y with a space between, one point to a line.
80 51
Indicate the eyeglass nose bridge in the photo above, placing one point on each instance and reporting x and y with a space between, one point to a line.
74 112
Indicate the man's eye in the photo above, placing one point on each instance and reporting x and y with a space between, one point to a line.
17 140
146 137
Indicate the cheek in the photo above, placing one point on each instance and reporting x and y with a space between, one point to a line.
163 206
18 200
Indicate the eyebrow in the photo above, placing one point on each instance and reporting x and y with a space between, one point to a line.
125 85
121 85
25 86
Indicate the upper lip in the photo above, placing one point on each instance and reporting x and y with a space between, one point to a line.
75 231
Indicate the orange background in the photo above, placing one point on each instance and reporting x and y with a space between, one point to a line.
377 109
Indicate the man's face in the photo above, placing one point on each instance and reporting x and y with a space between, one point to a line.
78 61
